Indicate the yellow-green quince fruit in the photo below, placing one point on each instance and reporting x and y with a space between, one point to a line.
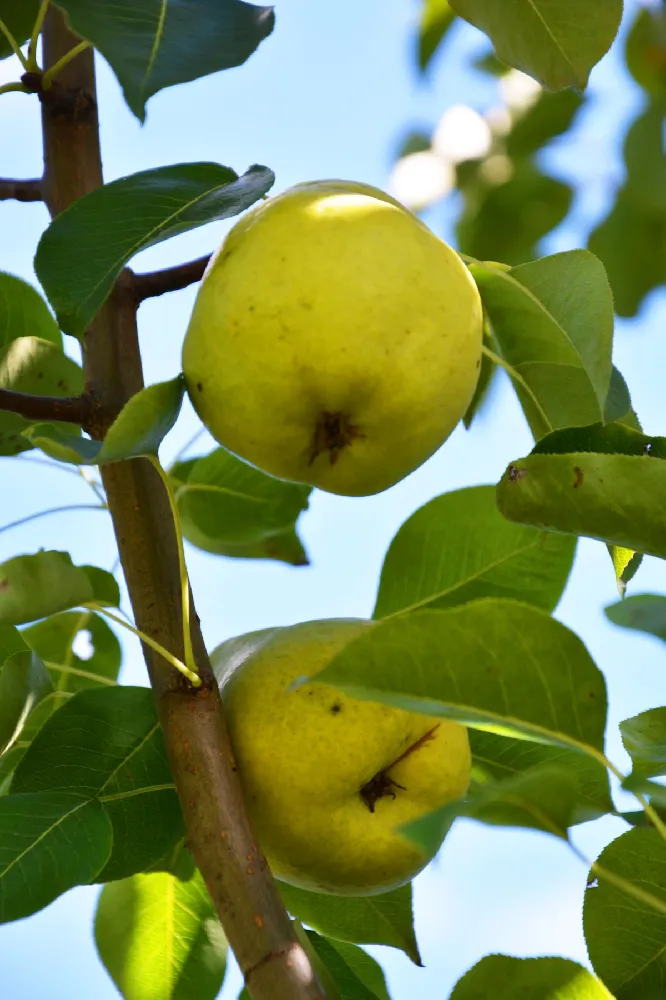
335 340
329 779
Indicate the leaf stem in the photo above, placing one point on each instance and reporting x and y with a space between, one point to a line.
182 567
648 809
192 676
53 71
620 883
7 88
14 44
51 510
31 64
516 377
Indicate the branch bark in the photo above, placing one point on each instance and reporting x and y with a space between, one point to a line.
72 409
218 832
20 190
171 279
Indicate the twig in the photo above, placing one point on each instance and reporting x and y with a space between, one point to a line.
51 510
171 279
20 190
196 738
72 409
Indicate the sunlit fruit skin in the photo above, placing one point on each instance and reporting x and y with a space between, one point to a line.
315 764
335 340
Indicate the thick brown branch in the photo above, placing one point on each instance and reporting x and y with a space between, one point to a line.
171 279
196 737
19 190
73 409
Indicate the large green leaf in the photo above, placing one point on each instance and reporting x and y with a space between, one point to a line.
497 758
385 919
543 798
355 975
227 501
49 842
23 312
506 978
138 430
646 51
54 638
160 939
506 217
643 612
553 320
86 247
436 19
24 681
625 936
38 585
550 115
555 41
106 744
39 367
492 664
603 482
458 548
632 275
19 16
152 44
644 738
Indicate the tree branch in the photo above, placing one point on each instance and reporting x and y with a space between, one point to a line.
72 409
219 835
20 190
171 279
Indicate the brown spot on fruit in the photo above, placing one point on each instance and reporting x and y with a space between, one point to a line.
333 433
578 477
336 708
200 386
514 473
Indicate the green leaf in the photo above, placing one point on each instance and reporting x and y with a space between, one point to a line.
104 584
19 16
229 502
633 275
159 938
49 842
106 744
458 548
496 758
553 320
436 19
506 978
626 564
85 248
284 547
644 738
356 976
643 612
23 312
543 798
507 215
625 936
385 919
603 482
24 681
491 664
618 406
551 115
137 431
53 640
555 41
153 44
38 367
35 586
646 51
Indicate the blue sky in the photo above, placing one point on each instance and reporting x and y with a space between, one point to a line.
330 95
